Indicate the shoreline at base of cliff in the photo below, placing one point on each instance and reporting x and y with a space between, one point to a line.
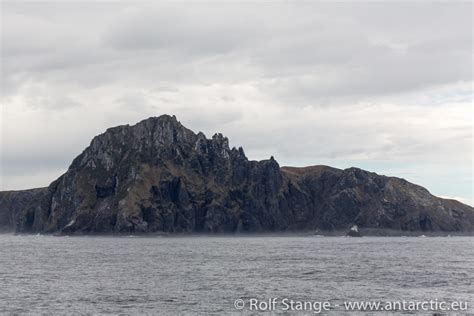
365 232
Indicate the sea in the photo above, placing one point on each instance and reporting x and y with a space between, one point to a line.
231 275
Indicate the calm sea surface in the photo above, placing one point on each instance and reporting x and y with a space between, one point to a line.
189 275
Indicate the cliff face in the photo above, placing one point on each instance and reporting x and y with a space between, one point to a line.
14 205
355 196
160 176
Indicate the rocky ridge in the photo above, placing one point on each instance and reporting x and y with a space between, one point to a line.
158 176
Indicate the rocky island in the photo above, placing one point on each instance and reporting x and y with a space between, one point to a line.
159 176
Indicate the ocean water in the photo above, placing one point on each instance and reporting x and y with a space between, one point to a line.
191 275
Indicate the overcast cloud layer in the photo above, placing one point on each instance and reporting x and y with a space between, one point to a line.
385 87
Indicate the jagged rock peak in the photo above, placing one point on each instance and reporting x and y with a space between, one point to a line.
148 137
157 175
164 120
161 137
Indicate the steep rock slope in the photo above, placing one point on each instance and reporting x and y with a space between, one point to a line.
355 196
13 206
158 176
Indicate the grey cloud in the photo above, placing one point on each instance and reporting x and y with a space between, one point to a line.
190 29
345 50
301 52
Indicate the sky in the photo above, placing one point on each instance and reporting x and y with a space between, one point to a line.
386 87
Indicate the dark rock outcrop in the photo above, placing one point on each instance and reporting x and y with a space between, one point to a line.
14 205
158 176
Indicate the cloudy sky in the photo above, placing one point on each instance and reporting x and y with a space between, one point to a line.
385 87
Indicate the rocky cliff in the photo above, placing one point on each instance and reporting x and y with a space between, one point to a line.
14 204
158 176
